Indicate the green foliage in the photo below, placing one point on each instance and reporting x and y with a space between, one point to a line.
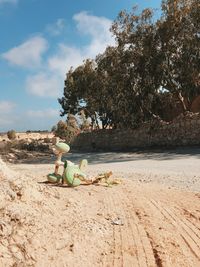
11 134
53 129
67 130
126 84
179 40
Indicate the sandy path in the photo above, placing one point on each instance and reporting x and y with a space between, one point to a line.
138 223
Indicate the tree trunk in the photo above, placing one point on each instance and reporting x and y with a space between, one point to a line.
181 98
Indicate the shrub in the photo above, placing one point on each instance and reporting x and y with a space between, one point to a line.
61 129
67 130
11 135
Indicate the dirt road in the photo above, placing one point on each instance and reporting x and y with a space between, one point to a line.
141 222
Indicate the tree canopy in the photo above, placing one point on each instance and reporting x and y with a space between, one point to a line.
124 86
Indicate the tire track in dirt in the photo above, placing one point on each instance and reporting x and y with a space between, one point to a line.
135 248
143 246
150 256
190 222
124 245
189 227
188 240
193 237
193 225
108 259
130 254
117 259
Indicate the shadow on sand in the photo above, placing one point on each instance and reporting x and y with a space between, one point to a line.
159 154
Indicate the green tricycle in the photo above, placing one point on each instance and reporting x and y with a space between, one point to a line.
72 175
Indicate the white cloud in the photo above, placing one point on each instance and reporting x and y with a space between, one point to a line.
56 28
65 58
8 1
28 54
50 82
6 107
44 85
98 29
46 113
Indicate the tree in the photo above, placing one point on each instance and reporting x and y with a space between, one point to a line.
77 85
117 88
136 38
179 42
53 129
126 84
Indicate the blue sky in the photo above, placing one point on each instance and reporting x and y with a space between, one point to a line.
39 41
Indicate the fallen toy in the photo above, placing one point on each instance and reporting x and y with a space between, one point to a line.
73 175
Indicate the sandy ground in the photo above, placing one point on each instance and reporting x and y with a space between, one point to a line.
31 135
151 219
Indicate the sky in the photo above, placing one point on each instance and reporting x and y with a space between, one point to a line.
39 41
